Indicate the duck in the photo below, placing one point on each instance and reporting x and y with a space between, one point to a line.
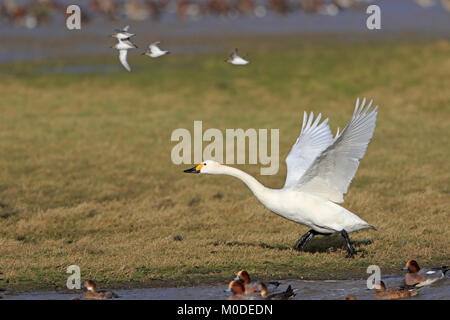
237 288
422 277
250 288
320 168
284 295
92 293
381 292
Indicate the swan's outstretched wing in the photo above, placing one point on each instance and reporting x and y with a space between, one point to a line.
313 139
333 170
123 59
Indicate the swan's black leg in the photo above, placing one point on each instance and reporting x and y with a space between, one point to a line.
304 239
350 250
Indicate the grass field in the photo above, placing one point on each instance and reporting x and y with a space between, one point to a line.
87 178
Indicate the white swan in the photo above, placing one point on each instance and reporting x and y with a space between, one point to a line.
319 171
123 34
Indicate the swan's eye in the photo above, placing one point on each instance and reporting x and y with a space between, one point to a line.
204 164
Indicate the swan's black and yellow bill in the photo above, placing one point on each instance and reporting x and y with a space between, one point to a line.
195 169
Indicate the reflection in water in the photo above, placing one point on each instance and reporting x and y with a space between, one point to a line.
305 290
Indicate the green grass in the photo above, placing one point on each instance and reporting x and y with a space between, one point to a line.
87 179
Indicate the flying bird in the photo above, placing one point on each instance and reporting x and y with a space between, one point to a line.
154 51
123 46
236 60
320 168
123 34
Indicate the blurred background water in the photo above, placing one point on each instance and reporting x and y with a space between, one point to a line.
32 30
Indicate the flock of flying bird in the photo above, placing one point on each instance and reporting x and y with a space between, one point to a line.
241 287
124 44
154 51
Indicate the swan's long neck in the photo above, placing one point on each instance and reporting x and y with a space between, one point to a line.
254 185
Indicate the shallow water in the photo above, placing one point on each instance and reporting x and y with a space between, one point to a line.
306 290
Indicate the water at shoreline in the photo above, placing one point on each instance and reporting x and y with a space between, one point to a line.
306 290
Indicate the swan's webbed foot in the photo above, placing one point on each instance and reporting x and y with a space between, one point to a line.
304 240
350 250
